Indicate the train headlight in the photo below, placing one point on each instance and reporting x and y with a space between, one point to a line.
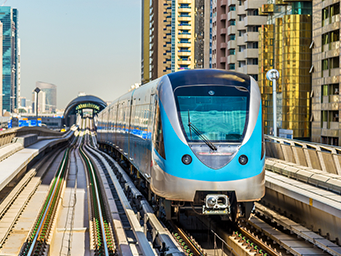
186 159
243 159
211 201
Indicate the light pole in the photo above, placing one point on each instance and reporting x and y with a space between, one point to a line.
273 75
37 90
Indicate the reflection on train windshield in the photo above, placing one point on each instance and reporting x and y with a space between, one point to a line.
219 113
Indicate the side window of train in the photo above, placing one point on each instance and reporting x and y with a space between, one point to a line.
157 132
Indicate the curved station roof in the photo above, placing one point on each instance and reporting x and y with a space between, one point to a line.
84 102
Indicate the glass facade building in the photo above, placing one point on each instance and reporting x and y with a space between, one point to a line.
47 102
9 19
284 44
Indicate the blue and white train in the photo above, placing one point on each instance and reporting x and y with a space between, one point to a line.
196 137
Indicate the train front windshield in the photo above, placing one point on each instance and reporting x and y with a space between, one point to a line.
220 113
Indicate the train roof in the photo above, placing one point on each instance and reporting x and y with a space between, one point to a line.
209 76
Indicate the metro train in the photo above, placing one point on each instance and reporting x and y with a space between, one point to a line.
196 137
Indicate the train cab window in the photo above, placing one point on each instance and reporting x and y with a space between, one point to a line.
218 112
158 134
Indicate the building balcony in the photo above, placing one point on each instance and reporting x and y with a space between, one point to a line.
167 47
251 53
223 45
231 30
223 31
334 98
232 15
253 4
333 103
240 9
240 25
223 16
231 44
222 60
185 1
250 69
254 20
184 26
240 40
184 9
184 62
183 53
232 2
240 56
334 72
184 36
251 37
184 45
330 26
330 129
184 18
231 59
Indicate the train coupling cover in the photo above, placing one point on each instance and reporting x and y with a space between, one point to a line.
216 204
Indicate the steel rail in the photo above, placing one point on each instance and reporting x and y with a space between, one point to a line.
98 203
267 249
33 244
138 231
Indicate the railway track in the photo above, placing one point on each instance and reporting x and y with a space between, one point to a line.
262 235
101 223
16 202
123 223
38 239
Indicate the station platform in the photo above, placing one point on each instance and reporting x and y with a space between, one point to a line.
14 157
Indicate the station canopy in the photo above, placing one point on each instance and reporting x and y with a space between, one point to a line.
77 105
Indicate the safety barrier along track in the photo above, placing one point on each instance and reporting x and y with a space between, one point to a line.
37 241
103 238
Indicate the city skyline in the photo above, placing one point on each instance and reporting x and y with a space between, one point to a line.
79 46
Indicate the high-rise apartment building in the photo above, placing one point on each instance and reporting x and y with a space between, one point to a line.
9 19
145 46
1 89
47 97
285 44
235 27
173 36
326 76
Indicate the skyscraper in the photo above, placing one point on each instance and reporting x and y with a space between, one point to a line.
173 36
9 19
47 97
235 27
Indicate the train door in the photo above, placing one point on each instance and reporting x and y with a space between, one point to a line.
151 112
116 124
107 137
129 124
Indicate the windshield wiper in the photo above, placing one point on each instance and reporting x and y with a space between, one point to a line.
199 133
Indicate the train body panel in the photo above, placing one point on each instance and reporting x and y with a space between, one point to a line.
211 117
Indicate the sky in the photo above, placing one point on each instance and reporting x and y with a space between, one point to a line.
80 46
